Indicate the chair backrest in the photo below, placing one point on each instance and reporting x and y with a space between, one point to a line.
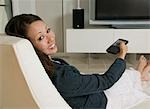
24 83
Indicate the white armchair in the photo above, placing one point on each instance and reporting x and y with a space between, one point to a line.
24 83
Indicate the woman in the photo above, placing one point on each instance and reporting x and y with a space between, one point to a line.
80 91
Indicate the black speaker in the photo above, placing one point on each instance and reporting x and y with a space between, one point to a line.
78 18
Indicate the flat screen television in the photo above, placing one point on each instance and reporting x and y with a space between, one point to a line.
120 13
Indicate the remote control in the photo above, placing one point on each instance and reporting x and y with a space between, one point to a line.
114 48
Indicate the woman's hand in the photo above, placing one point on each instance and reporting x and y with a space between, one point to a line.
123 50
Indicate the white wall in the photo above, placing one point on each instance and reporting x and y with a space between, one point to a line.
4 14
0 86
23 6
51 12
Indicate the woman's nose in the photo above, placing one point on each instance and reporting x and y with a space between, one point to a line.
50 38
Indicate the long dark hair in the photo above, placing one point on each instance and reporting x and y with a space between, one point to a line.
18 26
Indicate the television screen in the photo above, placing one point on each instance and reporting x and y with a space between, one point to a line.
122 9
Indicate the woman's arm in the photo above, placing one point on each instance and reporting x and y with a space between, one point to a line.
70 82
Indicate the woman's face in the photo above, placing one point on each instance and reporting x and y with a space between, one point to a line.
42 37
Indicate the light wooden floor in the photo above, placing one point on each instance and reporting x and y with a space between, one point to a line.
94 63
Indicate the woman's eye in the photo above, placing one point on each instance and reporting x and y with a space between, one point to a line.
48 30
41 37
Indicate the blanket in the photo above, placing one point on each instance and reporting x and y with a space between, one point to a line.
127 91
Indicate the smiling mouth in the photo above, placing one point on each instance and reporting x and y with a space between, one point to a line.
52 46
